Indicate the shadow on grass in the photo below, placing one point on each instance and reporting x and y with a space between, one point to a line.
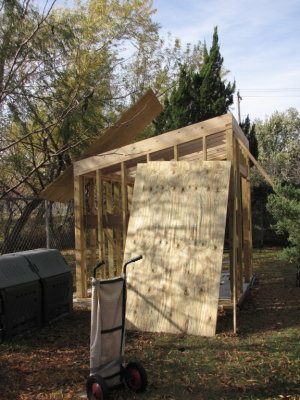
273 303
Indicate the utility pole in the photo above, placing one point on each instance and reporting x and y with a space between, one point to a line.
239 98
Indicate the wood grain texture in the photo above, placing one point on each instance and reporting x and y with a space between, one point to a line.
154 144
177 223
80 238
130 124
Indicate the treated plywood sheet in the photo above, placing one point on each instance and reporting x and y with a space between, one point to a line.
130 124
177 223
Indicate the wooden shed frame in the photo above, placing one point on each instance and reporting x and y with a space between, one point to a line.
103 187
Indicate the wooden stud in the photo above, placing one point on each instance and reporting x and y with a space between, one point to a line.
248 227
100 212
92 231
250 224
231 206
118 232
129 194
109 234
246 231
80 237
176 153
239 222
124 200
234 258
204 148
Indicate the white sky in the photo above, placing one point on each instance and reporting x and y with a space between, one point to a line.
259 40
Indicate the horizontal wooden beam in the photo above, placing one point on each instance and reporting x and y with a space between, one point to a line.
153 144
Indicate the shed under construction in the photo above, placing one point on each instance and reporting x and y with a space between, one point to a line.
179 199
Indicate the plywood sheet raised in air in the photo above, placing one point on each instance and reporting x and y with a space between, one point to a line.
177 223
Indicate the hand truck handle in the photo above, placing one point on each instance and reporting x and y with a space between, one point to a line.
131 261
98 265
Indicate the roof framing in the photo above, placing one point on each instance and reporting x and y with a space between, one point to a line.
130 124
190 143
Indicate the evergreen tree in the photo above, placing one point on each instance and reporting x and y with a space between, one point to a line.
215 95
178 109
198 95
249 131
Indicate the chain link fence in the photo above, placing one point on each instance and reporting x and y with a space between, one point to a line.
31 223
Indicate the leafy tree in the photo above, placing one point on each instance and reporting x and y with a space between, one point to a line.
285 208
279 144
199 94
60 76
159 65
60 82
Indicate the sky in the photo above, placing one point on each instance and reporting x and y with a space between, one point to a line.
259 41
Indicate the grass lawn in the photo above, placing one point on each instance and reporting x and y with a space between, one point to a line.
261 362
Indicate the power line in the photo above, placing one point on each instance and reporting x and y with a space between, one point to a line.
274 96
271 90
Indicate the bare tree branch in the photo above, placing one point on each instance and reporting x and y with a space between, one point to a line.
17 65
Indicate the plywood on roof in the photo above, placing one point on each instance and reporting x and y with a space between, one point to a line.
177 223
131 123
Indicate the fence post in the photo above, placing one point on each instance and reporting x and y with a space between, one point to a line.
47 221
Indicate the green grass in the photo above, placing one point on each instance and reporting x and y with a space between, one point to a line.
261 362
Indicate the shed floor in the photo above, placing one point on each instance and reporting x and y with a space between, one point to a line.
224 294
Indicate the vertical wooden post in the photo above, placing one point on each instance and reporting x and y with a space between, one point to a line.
247 227
250 224
92 232
110 232
124 200
176 153
204 148
239 230
231 205
80 237
99 195
129 194
118 231
234 255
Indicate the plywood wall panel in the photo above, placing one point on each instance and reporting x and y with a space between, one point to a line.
177 223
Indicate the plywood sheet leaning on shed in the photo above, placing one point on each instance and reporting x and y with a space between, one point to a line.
177 223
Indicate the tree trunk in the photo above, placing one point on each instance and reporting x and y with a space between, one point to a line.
9 244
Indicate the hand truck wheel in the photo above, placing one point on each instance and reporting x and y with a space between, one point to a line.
136 377
96 388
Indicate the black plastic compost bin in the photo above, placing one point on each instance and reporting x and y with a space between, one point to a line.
56 280
20 297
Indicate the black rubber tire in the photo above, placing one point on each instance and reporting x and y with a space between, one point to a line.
96 388
136 377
